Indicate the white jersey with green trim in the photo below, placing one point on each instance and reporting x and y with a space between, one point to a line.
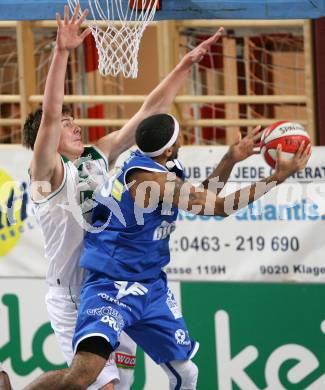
63 216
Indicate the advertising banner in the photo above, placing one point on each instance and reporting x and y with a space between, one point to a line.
27 344
277 238
253 336
21 246
257 336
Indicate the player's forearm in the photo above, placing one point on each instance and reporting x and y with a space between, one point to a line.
221 173
243 197
48 136
54 86
206 202
161 98
158 101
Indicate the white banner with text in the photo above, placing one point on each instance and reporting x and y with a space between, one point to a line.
277 238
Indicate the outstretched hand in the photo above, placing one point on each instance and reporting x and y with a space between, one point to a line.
68 35
245 146
197 54
285 168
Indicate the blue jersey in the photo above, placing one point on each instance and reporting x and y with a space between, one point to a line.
134 242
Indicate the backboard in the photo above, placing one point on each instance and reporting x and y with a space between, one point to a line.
181 9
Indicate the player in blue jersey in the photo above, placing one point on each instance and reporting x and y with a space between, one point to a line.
64 174
126 288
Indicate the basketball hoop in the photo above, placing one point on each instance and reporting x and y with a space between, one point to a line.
117 28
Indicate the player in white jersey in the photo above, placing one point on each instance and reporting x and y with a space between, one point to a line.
4 380
63 177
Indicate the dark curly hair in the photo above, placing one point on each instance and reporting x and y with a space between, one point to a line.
32 125
154 132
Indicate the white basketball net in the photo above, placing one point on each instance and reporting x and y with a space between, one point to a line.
118 43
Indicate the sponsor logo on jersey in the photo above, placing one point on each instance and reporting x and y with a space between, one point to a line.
117 190
112 187
109 316
181 337
173 306
108 298
125 361
135 289
111 321
163 230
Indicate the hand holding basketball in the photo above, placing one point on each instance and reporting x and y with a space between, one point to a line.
68 35
289 134
285 168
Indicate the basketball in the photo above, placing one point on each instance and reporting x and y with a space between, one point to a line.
288 134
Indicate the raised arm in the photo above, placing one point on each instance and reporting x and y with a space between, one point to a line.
204 201
158 101
46 161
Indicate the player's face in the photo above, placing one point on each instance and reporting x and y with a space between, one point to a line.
71 144
176 147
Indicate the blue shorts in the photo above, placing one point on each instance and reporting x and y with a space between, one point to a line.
147 312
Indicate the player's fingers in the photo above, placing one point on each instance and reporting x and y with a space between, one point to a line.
217 35
307 153
278 152
257 145
75 13
83 17
252 131
208 42
307 150
237 138
257 137
257 130
58 19
85 33
66 14
244 133
300 150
